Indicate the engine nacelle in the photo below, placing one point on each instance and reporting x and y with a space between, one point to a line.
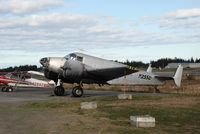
56 64
73 70
69 70
50 75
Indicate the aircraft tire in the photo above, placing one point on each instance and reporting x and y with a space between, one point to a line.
3 89
9 89
77 91
59 91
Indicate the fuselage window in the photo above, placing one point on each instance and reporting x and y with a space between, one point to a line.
79 58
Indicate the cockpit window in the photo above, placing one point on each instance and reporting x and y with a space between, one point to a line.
73 56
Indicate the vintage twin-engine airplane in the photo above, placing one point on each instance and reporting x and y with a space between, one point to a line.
81 68
12 80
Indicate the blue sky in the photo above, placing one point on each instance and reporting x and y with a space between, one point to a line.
119 30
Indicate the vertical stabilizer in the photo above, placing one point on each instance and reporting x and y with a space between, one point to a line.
149 69
178 76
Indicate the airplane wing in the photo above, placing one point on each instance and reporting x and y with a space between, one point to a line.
36 73
110 73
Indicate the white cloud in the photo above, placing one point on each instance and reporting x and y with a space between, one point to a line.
57 31
60 33
185 19
54 20
185 13
27 6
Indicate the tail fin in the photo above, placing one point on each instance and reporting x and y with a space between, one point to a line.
178 76
149 69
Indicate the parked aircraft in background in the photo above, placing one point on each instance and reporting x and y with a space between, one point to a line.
12 80
81 68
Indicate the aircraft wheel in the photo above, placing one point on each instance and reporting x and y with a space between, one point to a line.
9 89
3 89
59 91
77 91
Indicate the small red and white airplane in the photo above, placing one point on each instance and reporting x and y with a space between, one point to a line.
12 80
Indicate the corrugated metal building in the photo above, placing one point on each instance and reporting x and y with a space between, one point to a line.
185 65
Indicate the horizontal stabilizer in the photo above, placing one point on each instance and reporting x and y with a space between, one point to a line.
177 77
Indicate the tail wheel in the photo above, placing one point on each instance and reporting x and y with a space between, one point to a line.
9 89
59 91
77 91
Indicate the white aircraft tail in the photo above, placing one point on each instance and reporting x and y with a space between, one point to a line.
178 76
149 69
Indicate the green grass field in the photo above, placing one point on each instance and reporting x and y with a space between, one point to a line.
178 114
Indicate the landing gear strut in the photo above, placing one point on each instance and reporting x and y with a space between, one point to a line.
77 91
59 90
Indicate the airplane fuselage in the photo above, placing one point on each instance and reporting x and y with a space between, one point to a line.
78 67
81 68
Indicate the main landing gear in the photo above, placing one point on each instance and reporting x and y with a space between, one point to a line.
59 90
7 89
77 91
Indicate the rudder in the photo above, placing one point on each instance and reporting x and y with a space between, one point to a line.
178 76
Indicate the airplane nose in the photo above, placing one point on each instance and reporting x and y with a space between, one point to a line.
44 61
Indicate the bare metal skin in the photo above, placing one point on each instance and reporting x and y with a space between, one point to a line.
81 68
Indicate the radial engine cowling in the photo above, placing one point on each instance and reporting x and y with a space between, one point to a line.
56 65
53 67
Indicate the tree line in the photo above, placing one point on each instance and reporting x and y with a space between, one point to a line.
21 68
160 63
